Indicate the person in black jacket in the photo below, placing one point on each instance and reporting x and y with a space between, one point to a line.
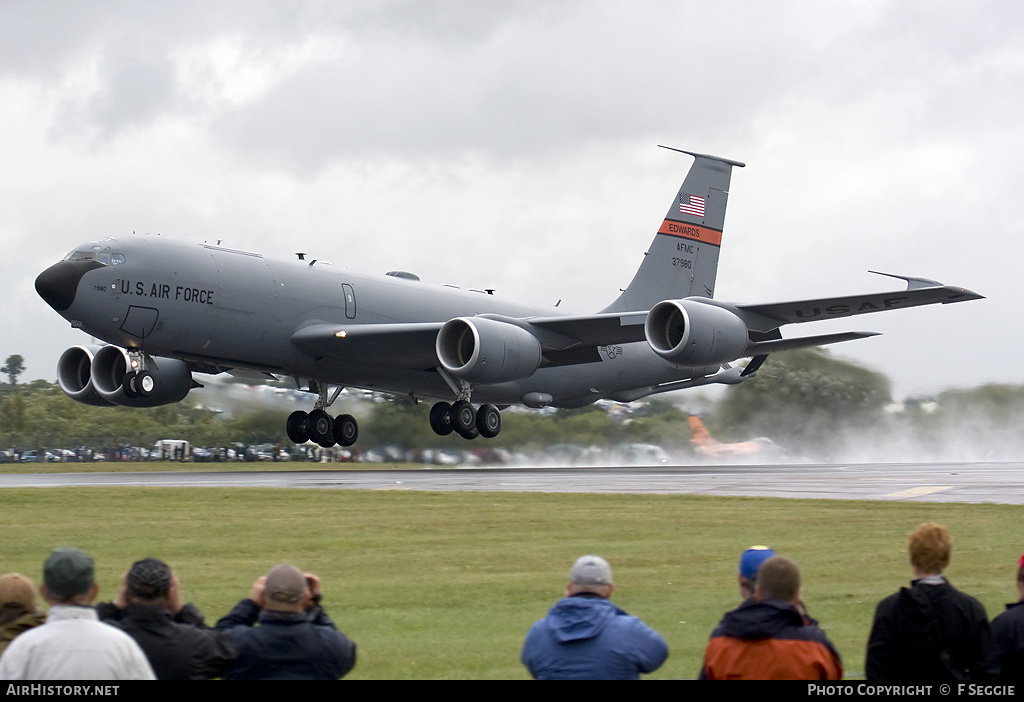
1008 633
283 633
930 631
171 633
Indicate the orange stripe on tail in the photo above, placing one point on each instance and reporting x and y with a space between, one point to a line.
691 231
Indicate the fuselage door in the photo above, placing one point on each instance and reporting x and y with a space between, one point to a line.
350 300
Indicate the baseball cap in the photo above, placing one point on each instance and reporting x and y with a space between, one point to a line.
752 559
285 584
68 572
591 570
17 593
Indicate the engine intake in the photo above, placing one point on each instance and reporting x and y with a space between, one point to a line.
482 350
74 375
171 379
694 333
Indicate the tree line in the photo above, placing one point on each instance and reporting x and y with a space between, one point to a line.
816 405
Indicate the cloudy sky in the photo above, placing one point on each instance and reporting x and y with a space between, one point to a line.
512 145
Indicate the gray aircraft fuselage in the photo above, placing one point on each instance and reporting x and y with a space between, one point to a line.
232 309
212 309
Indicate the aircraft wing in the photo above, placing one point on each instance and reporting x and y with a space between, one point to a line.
575 339
565 340
401 345
920 291
590 330
622 328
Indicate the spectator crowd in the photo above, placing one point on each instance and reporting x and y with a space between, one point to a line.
927 632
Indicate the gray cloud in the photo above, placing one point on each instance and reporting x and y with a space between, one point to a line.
880 135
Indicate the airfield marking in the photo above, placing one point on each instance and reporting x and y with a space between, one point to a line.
919 491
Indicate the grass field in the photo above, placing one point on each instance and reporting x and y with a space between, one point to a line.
445 585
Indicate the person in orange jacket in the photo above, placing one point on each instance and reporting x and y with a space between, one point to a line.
770 636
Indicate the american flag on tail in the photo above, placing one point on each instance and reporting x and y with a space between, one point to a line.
691 205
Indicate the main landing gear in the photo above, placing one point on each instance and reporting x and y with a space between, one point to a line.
318 426
463 418
460 417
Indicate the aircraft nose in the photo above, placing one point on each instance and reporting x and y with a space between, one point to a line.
59 283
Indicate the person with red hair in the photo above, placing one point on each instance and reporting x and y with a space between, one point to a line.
930 631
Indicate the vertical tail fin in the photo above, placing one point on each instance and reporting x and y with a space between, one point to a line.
683 259
701 436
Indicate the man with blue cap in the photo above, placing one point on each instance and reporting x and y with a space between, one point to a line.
750 561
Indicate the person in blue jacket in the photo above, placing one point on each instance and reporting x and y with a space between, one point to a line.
586 637
283 633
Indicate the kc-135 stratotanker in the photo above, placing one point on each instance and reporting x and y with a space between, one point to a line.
167 309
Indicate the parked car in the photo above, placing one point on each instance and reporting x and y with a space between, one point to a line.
32 456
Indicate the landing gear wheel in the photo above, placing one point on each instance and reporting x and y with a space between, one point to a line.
471 434
463 417
346 430
441 418
321 428
128 385
145 383
488 421
298 427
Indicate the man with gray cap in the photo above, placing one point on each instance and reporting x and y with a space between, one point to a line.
73 644
172 633
586 637
283 633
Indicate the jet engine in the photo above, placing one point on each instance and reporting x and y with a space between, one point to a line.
693 333
165 380
74 375
482 350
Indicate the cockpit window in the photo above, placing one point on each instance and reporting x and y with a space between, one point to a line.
104 257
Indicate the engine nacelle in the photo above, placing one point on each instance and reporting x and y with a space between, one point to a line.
693 333
171 379
481 350
74 375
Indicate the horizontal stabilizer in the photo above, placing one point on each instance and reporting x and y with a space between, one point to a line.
765 347
726 376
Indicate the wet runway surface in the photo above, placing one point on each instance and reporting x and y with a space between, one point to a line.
931 482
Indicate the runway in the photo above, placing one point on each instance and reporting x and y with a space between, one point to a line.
999 483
